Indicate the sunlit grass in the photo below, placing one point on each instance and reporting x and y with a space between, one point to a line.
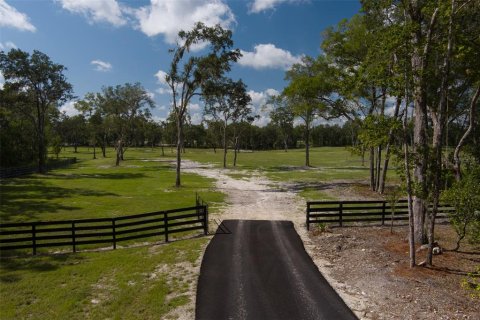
134 283
96 188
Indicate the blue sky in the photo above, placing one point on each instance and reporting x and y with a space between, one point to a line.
110 42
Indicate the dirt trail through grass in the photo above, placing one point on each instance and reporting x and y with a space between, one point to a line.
251 196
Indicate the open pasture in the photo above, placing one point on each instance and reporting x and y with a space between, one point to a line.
144 282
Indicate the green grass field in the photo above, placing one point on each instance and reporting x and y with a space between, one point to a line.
96 188
118 284
132 283
63 286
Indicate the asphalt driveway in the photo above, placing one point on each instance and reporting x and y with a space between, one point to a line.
260 270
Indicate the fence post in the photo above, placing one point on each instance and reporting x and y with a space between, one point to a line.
383 213
205 219
308 216
34 239
165 225
340 213
114 234
73 237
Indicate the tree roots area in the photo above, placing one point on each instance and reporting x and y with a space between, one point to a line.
371 264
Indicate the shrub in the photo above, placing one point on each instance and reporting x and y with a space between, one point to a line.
464 196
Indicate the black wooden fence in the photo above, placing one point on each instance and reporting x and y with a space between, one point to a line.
341 212
75 233
21 171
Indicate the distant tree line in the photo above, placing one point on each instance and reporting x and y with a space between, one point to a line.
119 116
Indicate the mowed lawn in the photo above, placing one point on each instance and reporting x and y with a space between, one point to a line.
327 164
144 182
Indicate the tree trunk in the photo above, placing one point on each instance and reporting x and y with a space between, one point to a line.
461 142
421 150
42 168
387 148
179 150
372 168
439 119
163 151
94 152
307 145
42 165
379 168
285 144
363 156
421 37
411 218
119 152
235 152
383 177
224 146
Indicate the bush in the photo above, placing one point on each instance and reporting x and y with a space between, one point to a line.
464 196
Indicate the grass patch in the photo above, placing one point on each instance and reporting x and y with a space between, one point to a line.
312 194
133 283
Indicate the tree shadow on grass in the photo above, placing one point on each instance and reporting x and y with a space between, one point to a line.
36 264
23 199
298 186
107 176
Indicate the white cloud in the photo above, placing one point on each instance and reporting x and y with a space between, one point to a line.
164 88
194 107
260 107
10 17
262 120
69 108
2 80
196 118
102 66
263 5
160 75
8 45
108 11
162 91
167 17
268 56
150 94
260 98
158 119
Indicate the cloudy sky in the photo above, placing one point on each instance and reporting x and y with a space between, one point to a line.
110 42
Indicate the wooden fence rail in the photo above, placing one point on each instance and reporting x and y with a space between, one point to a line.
74 233
342 212
22 171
